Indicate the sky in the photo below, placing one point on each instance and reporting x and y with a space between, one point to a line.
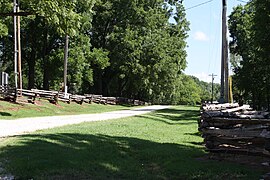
204 42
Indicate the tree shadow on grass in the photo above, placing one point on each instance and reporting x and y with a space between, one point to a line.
4 114
186 115
84 156
199 134
161 118
11 102
174 116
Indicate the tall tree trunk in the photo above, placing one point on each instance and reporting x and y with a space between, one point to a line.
254 100
99 81
268 98
31 69
121 86
97 75
267 87
107 90
45 63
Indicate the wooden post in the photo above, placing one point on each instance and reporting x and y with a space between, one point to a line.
15 44
65 63
230 90
226 57
19 50
17 41
224 92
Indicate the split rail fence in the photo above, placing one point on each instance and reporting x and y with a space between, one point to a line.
230 128
54 97
8 93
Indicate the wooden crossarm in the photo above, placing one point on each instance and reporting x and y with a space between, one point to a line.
17 14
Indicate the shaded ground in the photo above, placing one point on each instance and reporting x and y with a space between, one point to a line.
81 156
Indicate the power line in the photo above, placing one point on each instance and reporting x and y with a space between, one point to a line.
209 2
242 1
199 5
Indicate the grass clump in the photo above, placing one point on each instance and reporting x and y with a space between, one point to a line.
161 145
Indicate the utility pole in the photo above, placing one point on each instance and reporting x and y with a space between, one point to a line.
15 44
65 63
213 78
20 86
224 92
17 41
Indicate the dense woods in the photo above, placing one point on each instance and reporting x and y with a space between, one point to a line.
250 48
116 48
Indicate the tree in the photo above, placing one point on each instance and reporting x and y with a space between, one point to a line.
189 92
147 53
117 48
262 38
248 27
43 42
206 90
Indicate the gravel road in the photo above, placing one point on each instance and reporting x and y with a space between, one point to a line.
26 125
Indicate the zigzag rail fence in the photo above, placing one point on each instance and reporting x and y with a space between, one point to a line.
11 94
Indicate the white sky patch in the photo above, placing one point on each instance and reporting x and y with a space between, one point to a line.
201 36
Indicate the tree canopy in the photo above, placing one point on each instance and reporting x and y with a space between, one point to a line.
249 28
117 48
146 51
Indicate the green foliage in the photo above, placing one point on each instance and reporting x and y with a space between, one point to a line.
249 30
100 58
43 43
206 90
189 92
117 48
3 29
66 16
147 53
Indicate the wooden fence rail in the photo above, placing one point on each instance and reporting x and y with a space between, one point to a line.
55 96
8 93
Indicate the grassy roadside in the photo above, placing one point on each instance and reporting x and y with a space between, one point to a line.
160 145
44 108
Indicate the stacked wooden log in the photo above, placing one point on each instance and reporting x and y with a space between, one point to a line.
231 128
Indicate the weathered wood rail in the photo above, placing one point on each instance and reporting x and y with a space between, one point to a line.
34 94
234 129
55 96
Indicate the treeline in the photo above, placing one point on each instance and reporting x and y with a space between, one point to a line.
250 48
116 48
205 90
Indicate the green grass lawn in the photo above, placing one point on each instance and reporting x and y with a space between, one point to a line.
159 145
44 108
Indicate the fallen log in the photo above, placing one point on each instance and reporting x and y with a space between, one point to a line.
241 108
236 133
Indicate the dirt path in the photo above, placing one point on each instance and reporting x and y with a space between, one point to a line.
26 125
